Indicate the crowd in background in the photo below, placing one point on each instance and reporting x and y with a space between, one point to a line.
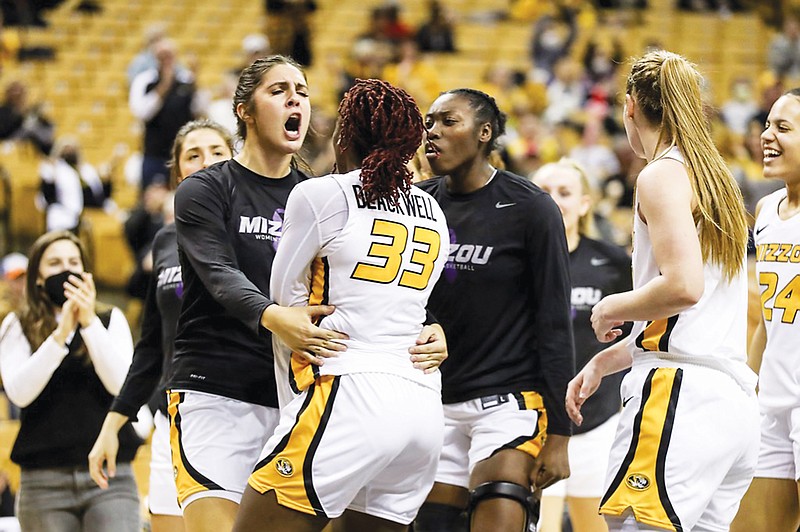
564 104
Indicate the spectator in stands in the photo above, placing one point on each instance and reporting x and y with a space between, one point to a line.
12 268
254 46
146 58
63 357
740 107
594 152
566 93
219 109
601 59
722 6
367 59
289 28
68 185
164 98
411 73
141 227
770 87
784 49
22 120
514 90
436 33
523 149
553 37
385 24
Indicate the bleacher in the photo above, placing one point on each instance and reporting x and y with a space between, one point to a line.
85 87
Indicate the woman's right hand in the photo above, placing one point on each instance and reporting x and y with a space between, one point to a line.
580 389
105 449
295 327
68 323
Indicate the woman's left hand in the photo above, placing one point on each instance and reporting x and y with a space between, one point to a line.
81 290
431 348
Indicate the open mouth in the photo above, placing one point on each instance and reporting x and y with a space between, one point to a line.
292 125
431 150
771 153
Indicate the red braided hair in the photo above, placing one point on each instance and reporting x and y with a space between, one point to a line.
384 125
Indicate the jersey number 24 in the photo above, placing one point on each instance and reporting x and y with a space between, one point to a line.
788 299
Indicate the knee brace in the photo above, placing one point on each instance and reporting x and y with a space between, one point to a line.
506 490
434 517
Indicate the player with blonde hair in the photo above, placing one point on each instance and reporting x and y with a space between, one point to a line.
687 443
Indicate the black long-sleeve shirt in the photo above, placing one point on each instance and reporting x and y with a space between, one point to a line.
597 269
152 356
229 220
504 297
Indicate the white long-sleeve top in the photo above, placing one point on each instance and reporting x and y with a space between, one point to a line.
25 374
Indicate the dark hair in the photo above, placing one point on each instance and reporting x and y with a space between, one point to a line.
793 92
250 79
180 137
384 125
486 110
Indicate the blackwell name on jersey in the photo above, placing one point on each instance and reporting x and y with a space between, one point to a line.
410 205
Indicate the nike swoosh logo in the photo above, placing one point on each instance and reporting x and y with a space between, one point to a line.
625 401
760 229
499 205
595 261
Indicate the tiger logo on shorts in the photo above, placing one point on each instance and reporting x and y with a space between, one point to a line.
284 467
637 482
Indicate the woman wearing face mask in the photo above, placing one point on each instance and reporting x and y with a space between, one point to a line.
68 185
63 358
199 144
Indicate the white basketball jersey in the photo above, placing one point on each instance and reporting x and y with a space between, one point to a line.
778 275
378 271
711 332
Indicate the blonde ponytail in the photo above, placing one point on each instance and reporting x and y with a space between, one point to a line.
669 87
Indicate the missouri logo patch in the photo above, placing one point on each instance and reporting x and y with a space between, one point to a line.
284 467
637 482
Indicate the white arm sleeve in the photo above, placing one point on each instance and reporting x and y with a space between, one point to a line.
316 212
111 350
144 105
26 374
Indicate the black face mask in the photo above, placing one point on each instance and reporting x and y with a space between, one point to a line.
71 158
54 287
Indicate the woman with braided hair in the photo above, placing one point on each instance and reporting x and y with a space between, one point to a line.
686 445
362 436
504 302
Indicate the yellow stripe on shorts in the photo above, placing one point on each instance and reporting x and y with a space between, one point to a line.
288 468
301 372
530 444
188 481
639 483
